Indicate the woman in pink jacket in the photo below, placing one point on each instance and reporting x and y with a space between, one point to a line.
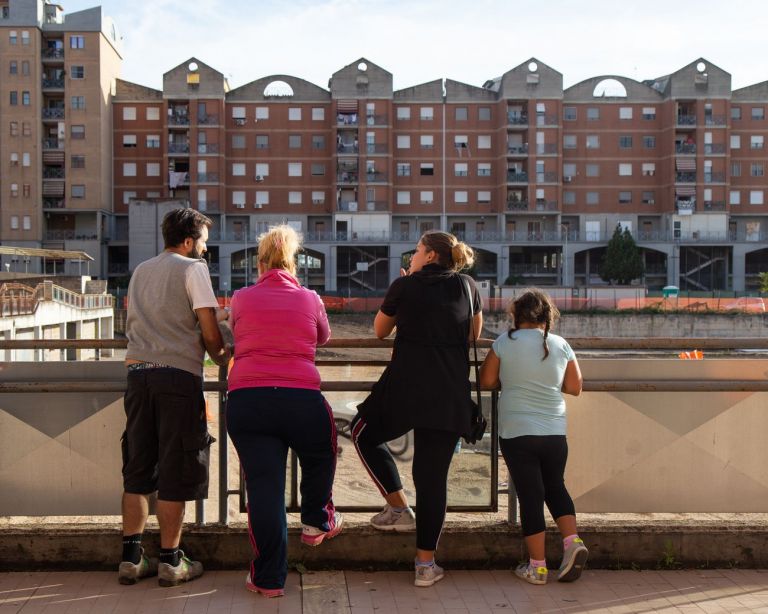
275 403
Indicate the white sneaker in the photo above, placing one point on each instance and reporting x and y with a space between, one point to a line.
574 559
389 519
312 536
532 575
427 575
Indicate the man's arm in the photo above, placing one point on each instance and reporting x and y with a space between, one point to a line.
214 344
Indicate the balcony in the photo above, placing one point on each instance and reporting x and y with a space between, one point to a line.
52 54
209 206
684 119
517 119
685 207
53 172
207 148
546 205
546 149
178 148
376 120
208 120
376 177
517 205
178 119
714 148
346 120
685 148
347 205
546 120
714 205
53 83
54 203
347 148
546 177
715 120
517 150
53 113
207 178
685 177
117 268
718 177
59 235
346 178
376 148
517 177
53 143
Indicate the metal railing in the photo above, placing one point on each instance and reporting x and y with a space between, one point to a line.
515 150
53 113
178 148
517 119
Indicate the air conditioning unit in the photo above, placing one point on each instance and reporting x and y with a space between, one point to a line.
259 178
651 201
317 201
258 205
239 205
239 121
567 179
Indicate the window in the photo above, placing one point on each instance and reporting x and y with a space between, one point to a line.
318 169
77 72
756 169
78 191
625 170
427 141
758 113
593 170
26 222
318 197
238 198
426 169
483 169
403 141
649 142
484 114
294 114
318 114
25 159
262 169
294 141
403 113
426 197
129 140
25 68
153 114
735 112
14 189
756 141
569 197
294 169
569 141
153 141
649 113
461 114
77 131
25 99
127 196
735 141
755 197
13 67
426 113
262 198
649 168
153 194
403 197
77 42
153 169
14 159
569 113
649 198
625 112
77 161
593 113
484 196
735 169
569 171
460 169
461 141
484 141
12 37
14 222
25 37
14 98
734 197
318 141
238 114
238 141
625 198
403 169
14 127
238 169
593 198
625 142
593 141
262 141
294 198
460 197
77 102
26 129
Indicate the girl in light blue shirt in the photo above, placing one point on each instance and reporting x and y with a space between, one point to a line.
534 368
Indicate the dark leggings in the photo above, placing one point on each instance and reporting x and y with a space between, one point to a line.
433 452
537 465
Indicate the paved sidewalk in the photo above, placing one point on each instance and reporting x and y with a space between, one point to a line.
461 592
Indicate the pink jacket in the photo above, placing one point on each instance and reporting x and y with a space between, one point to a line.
277 326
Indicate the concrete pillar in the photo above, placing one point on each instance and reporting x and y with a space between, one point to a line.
330 268
673 266
739 256
503 267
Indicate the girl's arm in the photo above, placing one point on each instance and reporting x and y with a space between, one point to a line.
383 325
572 382
489 372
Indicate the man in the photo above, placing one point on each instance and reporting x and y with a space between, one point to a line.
172 321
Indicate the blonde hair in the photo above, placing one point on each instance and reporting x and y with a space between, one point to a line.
451 253
278 247
534 307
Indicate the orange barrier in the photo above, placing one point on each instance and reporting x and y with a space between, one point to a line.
692 355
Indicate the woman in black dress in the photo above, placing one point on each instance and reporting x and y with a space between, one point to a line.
425 388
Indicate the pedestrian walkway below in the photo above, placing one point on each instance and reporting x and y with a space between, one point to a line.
460 592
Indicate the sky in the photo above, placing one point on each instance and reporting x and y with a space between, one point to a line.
422 40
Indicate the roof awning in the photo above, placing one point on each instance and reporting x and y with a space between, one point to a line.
683 191
346 106
685 164
44 253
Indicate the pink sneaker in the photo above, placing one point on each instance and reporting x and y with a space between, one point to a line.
267 592
312 536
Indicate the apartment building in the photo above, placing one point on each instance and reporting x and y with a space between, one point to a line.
57 72
533 175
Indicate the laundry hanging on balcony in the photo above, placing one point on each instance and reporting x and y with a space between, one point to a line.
685 164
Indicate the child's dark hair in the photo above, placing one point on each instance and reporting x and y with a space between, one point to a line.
535 307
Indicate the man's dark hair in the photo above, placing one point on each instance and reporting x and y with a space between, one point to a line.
182 223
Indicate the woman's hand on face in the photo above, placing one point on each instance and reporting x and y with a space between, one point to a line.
403 272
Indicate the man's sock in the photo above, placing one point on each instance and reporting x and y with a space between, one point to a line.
172 556
132 548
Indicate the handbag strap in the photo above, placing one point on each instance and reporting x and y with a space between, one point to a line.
465 283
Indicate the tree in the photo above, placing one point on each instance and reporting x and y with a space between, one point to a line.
622 261
764 282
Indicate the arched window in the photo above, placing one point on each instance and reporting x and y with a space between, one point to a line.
609 88
278 88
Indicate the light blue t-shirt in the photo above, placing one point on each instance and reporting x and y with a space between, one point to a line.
531 402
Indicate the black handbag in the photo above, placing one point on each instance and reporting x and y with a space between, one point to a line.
478 423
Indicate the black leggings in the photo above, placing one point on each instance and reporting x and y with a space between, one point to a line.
537 465
432 455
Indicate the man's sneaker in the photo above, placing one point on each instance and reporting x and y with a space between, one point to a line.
186 570
267 592
574 558
131 573
534 575
427 575
390 519
312 536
